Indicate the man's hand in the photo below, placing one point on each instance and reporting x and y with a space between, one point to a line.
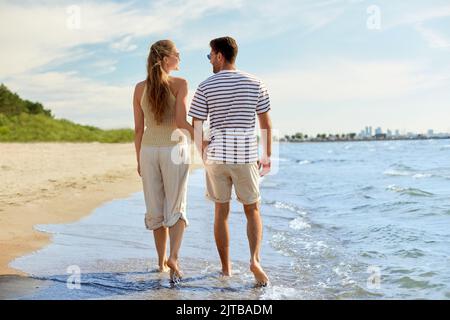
264 163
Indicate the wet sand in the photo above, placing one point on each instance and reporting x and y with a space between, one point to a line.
56 183
52 183
15 286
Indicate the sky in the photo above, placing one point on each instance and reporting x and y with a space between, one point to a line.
331 66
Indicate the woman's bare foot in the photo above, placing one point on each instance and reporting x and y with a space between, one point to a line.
163 267
260 276
175 273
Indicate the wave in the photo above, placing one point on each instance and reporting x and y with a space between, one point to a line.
409 191
286 206
422 175
280 293
399 170
399 173
305 161
412 253
393 172
410 283
299 224
402 166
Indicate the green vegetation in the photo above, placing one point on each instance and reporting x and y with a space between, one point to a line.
26 121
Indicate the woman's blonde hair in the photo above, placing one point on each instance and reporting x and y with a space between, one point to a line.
158 89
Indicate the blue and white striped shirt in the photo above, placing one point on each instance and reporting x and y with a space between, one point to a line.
232 99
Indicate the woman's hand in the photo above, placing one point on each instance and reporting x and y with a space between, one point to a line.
205 144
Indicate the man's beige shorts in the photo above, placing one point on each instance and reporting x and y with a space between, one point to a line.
165 184
220 177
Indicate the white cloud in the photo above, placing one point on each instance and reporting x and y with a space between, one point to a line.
418 17
343 95
104 66
434 38
124 45
348 81
79 99
414 15
45 33
258 20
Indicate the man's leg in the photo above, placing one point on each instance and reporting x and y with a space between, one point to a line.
222 236
254 234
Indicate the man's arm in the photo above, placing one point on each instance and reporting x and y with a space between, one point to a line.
265 124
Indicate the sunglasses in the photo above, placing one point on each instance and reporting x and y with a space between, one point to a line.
209 55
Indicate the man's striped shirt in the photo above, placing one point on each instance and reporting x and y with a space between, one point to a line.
231 99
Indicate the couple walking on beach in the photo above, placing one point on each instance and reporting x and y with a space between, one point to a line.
232 99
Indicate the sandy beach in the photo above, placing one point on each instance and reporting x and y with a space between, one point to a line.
43 183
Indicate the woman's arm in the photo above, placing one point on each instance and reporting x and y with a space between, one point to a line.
180 109
138 121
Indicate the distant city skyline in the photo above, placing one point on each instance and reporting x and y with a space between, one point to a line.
368 131
330 66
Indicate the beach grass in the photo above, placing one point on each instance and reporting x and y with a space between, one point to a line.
41 128
25 121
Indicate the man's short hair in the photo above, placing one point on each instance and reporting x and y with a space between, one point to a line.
227 46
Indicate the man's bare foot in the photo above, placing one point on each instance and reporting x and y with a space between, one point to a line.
175 273
164 267
260 276
225 273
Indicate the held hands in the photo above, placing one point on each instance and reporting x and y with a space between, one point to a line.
205 144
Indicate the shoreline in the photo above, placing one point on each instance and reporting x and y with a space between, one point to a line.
54 183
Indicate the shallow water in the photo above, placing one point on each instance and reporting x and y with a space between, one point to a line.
365 220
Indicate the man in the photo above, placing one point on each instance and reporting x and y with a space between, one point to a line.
232 99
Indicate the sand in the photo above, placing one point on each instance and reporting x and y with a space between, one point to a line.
47 183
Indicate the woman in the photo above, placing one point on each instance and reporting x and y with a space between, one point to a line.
162 152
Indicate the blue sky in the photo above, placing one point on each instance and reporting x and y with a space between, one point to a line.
330 66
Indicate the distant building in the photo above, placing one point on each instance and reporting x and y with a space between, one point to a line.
397 133
389 133
430 132
378 131
380 136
